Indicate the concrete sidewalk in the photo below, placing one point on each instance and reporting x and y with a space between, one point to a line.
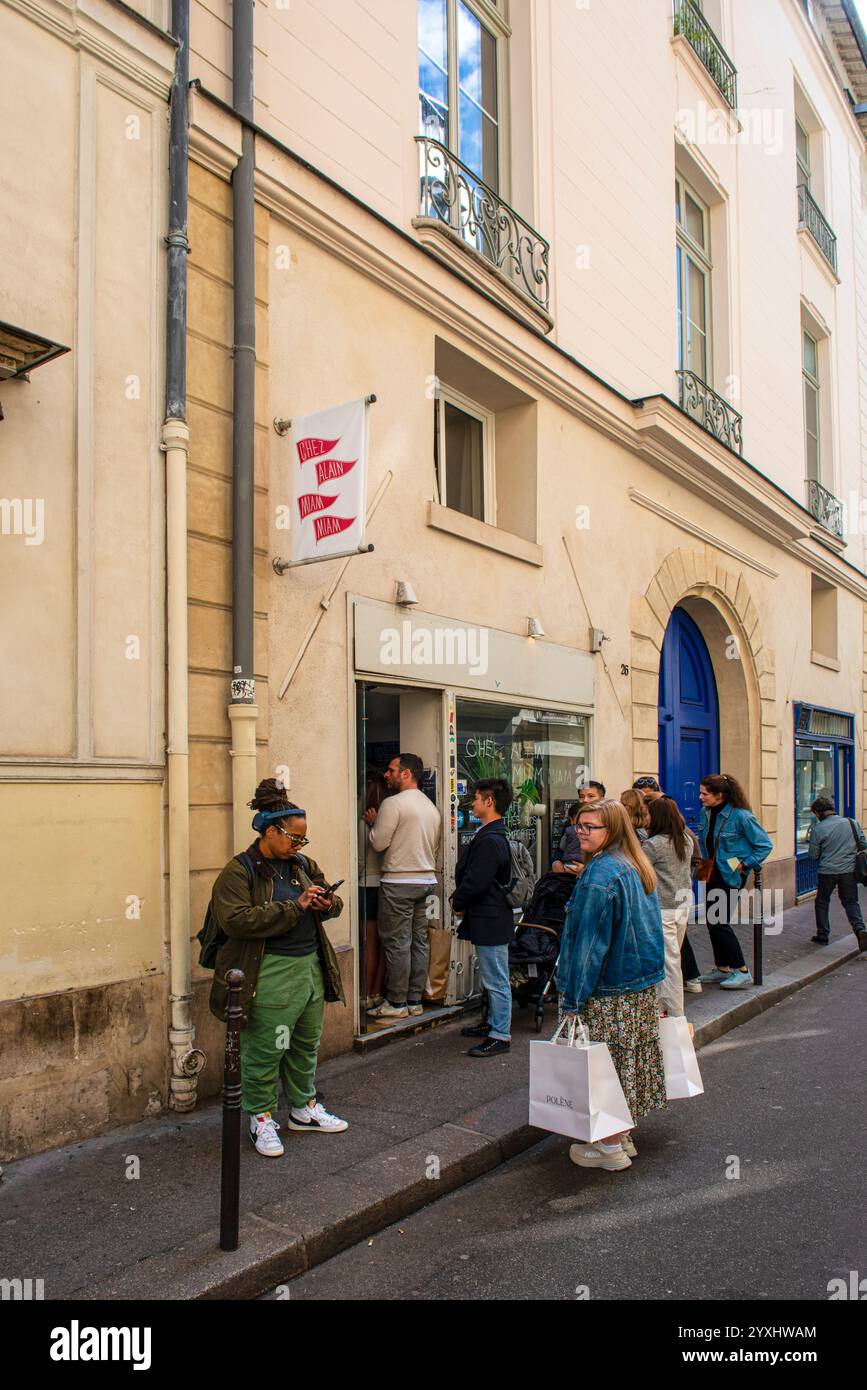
424 1119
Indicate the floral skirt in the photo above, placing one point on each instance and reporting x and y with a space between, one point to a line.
629 1025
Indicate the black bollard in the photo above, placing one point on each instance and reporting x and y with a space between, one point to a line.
758 930
230 1181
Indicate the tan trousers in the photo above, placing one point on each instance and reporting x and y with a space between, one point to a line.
670 991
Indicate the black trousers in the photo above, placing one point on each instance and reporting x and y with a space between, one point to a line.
727 953
688 962
848 889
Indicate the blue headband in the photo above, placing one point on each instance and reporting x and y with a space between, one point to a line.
263 819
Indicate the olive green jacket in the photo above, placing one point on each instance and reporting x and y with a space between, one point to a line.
248 915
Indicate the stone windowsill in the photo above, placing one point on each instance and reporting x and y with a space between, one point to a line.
450 248
808 241
480 533
830 661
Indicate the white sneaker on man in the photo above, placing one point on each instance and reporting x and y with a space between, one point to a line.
386 1010
263 1135
316 1119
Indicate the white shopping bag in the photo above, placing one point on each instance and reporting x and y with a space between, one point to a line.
682 1076
574 1088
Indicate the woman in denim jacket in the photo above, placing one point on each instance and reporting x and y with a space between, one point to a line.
611 959
730 835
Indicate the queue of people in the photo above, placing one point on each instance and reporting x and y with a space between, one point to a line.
624 956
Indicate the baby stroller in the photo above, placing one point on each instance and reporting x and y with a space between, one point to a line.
535 948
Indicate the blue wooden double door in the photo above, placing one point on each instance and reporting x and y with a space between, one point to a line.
688 715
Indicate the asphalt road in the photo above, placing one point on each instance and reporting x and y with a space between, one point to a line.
784 1105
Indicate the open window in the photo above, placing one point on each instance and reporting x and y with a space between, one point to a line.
485 446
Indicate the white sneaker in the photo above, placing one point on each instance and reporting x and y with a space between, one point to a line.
415 1010
386 1010
628 1145
589 1156
692 986
263 1135
315 1118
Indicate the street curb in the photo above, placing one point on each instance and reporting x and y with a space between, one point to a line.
277 1244
764 997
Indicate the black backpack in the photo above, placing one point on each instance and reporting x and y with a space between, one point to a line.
212 937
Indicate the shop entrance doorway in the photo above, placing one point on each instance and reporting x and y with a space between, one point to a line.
390 720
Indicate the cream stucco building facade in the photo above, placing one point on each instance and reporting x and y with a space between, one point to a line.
619 354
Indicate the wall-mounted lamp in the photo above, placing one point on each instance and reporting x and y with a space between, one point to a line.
535 628
597 637
404 593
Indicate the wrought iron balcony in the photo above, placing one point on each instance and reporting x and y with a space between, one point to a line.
813 220
453 195
711 411
691 23
825 507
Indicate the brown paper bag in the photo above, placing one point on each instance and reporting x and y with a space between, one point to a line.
440 943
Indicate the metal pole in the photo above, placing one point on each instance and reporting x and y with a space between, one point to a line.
230 1182
244 373
758 930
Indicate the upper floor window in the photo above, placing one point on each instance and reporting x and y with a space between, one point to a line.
466 456
802 155
458 83
693 281
812 401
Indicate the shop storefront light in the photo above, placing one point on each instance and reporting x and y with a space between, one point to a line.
404 593
535 628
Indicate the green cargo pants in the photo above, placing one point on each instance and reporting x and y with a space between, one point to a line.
281 1040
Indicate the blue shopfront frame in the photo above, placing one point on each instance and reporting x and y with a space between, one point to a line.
821 754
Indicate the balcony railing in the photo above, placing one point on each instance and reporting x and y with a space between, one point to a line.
711 411
811 217
825 507
452 194
691 23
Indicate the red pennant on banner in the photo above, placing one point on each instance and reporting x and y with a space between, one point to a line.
326 526
310 502
314 448
329 469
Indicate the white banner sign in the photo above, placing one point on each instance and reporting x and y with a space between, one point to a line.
329 482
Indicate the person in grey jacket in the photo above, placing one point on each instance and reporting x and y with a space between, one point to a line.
669 849
832 842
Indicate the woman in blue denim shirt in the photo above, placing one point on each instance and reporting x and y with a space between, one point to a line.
611 959
730 835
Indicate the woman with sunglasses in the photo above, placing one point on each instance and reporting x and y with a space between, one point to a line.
271 902
611 960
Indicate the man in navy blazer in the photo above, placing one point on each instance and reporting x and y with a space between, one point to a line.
482 877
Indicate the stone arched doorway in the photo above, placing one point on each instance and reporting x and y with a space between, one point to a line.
688 714
719 603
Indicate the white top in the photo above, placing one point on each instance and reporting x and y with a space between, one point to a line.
407 832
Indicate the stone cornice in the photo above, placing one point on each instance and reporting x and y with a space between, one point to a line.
685 524
215 136
112 34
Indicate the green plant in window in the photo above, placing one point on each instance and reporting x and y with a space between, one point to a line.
528 793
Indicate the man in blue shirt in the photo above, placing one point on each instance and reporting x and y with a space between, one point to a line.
834 841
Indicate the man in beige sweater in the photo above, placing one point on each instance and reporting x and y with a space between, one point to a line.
406 828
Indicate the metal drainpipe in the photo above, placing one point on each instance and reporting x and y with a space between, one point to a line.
242 709
187 1060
